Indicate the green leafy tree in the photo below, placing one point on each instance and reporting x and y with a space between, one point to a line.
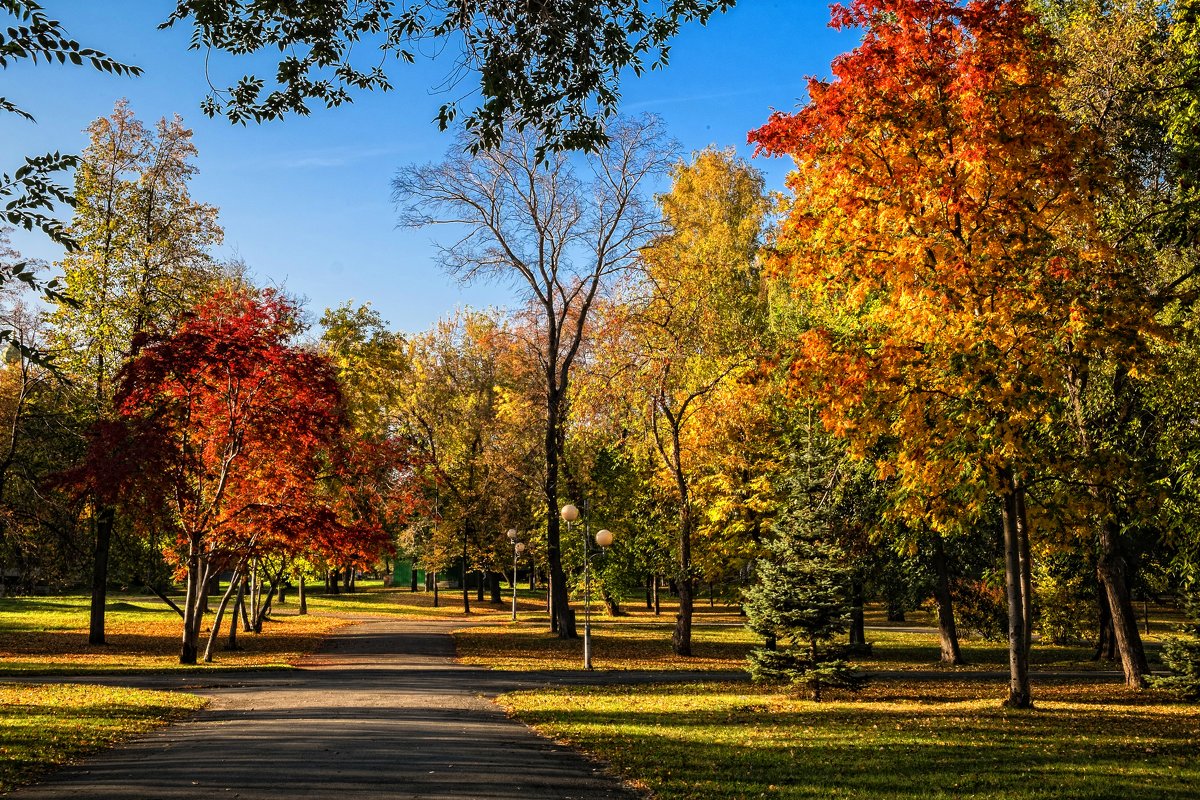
697 324
30 192
552 66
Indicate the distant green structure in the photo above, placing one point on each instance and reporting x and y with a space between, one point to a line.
402 575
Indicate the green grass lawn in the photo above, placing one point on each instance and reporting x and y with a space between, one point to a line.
891 742
622 645
47 725
49 635
720 641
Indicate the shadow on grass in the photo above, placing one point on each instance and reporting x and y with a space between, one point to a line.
706 741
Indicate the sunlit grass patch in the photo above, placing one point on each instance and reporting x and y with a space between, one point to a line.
50 636
47 725
892 741
624 645
914 650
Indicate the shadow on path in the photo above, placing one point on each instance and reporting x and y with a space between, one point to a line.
382 708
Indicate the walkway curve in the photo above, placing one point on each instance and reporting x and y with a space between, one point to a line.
381 708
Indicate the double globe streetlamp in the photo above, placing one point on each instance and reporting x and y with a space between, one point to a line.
604 538
518 548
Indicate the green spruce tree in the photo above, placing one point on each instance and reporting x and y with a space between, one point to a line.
800 604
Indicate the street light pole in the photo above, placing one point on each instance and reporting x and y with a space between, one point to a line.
518 548
604 538
587 591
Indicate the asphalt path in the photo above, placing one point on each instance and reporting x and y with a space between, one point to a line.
382 708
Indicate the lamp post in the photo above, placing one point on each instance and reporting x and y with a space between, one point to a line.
518 548
604 539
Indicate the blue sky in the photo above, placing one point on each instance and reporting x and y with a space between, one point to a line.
306 201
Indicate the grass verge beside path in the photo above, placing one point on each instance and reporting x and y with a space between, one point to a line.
49 636
622 646
43 726
891 742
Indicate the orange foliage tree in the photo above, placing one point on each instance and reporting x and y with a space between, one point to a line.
941 237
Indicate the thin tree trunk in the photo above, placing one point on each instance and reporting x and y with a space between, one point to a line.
1019 695
161 596
494 586
1104 633
1113 573
191 607
213 586
947 629
302 597
465 591
239 607
649 598
681 639
858 622
562 618
105 515
412 587
263 612
216 626
657 600
255 592
479 586
611 602
244 595
1026 566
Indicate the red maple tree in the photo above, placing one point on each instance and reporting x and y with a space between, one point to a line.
224 431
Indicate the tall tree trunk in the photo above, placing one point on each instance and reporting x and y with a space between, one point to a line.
465 590
303 597
216 626
657 601
1112 570
1019 695
494 586
1026 566
1105 644
244 594
858 622
681 640
435 589
104 528
479 586
649 596
562 618
412 585
947 629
